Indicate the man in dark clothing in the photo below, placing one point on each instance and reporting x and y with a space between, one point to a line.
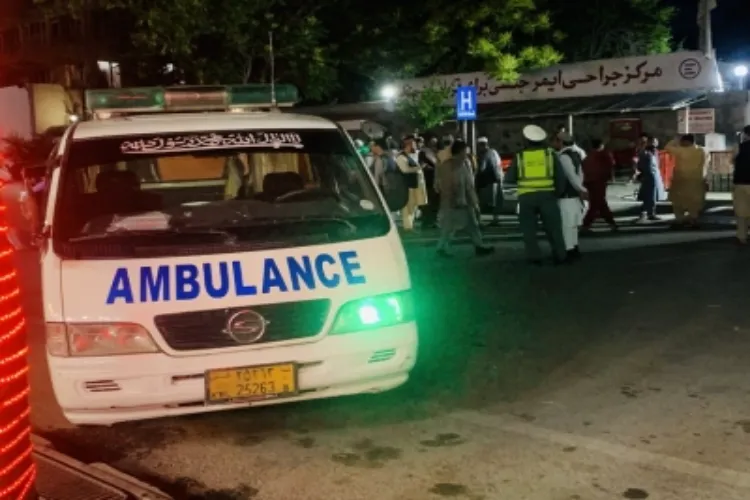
459 204
428 161
489 178
597 172
741 193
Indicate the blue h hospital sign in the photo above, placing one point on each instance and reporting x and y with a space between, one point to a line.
466 103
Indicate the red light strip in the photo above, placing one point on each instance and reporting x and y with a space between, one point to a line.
17 469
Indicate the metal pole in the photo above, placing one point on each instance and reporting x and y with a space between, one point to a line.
570 124
705 7
464 131
273 68
473 137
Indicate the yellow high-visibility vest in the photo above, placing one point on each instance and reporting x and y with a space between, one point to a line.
536 171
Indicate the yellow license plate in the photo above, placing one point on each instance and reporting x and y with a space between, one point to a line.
251 383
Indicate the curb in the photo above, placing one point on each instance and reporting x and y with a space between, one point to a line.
511 237
97 475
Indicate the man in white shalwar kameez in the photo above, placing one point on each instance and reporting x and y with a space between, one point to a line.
574 193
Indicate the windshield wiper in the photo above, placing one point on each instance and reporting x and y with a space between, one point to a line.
124 233
280 221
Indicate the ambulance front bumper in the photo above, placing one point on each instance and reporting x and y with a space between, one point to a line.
109 390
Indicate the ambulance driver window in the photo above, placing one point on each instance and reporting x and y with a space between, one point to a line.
215 189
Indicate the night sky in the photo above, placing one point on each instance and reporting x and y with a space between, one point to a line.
731 27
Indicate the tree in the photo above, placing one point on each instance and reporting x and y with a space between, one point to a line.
397 40
427 108
602 29
224 41
347 48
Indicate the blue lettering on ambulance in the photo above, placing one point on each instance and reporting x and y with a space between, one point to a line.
301 273
186 282
120 288
240 288
272 277
328 281
154 285
212 289
351 266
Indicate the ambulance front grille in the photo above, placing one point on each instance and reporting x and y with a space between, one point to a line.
196 330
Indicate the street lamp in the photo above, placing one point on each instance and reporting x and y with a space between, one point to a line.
388 92
741 71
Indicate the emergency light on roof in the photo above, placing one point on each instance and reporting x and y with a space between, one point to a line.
184 98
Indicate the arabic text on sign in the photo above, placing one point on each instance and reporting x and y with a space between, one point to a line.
185 282
255 139
558 81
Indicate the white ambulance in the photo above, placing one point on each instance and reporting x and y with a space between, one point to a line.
199 255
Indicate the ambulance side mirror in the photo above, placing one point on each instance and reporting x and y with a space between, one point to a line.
395 191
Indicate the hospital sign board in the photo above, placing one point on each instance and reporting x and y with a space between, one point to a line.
655 73
699 121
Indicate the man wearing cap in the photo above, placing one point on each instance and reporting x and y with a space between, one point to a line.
489 178
538 174
561 129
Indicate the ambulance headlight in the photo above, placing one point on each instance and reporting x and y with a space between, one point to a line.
374 312
98 339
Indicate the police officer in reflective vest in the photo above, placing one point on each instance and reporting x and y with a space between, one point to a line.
538 174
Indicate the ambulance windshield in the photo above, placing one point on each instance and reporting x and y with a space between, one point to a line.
238 188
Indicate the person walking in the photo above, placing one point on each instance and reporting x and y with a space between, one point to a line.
652 187
382 162
408 163
443 155
538 174
562 130
428 161
687 191
489 179
598 168
459 205
741 192
573 193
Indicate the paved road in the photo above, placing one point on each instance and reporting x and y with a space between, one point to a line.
622 377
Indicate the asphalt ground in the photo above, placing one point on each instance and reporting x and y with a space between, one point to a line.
623 376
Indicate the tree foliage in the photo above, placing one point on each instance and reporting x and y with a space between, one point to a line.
428 108
225 41
602 29
397 40
348 48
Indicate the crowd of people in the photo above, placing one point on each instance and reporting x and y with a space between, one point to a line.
557 182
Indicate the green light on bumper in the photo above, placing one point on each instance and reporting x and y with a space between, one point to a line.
374 312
